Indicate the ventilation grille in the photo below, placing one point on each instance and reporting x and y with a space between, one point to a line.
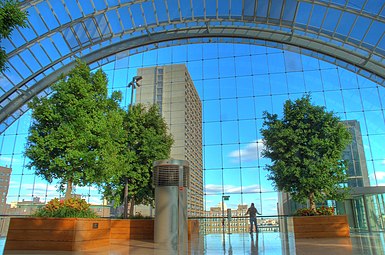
168 175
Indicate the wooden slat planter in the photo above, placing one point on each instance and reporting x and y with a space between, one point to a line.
65 234
135 229
321 226
138 229
76 234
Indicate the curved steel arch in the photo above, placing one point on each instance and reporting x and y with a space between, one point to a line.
39 54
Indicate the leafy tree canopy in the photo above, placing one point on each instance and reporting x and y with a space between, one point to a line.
305 148
10 17
147 140
77 132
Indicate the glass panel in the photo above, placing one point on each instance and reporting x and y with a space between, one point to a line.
229 131
114 22
249 8
262 8
212 133
47 15
36 22
211 91
161 10
86 6
148 10
236 9
137 15
211 9
213 157
73 8
125 18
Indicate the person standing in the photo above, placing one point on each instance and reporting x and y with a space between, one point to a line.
252 212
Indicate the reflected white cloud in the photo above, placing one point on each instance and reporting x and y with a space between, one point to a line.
379 176
250 152
6 161
212 189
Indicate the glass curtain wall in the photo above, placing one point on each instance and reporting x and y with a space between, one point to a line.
236 84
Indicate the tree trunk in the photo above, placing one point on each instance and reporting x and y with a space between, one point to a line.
68 193
312 201
132 205
125 199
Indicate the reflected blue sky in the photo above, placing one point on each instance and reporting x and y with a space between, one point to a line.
236 83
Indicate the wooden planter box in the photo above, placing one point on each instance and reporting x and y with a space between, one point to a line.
76 234
320 226
136 229
65 234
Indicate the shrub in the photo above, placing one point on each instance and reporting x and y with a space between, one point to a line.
68 208
323 210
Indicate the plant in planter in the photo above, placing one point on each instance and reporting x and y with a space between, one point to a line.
68 208
146 140
74 139
305 148
76 132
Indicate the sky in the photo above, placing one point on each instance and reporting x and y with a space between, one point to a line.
236 83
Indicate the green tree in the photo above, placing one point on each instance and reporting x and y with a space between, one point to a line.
76 133
10 17
305 148
147 140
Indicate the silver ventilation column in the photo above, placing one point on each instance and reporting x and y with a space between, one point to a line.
171 180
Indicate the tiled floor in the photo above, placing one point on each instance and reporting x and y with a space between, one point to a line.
267 243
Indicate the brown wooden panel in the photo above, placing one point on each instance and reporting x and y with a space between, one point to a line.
33 245
320 219
86 245
49 235
120 231
321 226
93 234
88 224
323 234
41 223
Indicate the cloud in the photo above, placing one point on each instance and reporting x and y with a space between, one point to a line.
383 162
378 176
250 152
9 160
212 189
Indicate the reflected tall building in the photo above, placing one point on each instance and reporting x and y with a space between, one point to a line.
5 176
355 155
172 88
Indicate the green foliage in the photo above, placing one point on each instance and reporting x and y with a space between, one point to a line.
305 148
146 140
68 208
320 211
77 132
10 17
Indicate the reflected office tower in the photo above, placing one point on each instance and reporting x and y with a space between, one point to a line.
5 175
355 155
172 88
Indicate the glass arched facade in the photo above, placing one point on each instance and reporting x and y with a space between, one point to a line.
236 83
